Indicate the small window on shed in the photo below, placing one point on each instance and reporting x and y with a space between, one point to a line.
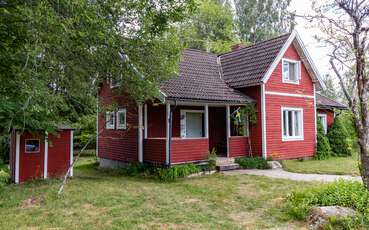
122 119
32 146
110 120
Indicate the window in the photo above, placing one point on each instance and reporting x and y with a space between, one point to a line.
113 82
292 124
122 119
240 125
32 146
323 119
291 71
192 123
110 120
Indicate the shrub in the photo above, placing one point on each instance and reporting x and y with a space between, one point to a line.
4 178
212 159
86 129
339 138
340 193
4 148
323 150
175 172
252 163
134 169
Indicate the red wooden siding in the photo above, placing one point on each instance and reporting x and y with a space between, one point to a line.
278 149
184 150
59 154
117 144
275 83
31 165
238 146
155 150
255 129
329 113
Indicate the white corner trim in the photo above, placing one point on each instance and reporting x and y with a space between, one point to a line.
145 121
263 122
17 156
315 128
71 154
167 134
46 155
228 127
289 94
140 134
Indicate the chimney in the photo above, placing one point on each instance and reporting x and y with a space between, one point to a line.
237 46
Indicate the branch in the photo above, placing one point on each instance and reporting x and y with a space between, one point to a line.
347 95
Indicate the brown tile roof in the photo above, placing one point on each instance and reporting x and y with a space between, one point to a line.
247 66
325 102
199 80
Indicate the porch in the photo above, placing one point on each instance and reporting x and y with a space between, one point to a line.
176 133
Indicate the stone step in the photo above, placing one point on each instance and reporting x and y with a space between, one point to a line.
227 167
224 160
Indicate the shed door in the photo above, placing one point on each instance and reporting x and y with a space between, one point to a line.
194 124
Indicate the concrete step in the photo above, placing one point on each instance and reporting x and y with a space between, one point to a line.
224 160
227 167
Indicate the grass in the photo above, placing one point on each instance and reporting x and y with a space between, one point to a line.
96 199
333 165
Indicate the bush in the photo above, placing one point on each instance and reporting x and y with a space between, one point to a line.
86 129
323 150
252 163
4 148
212 159
340 193
339 138
4 178
175 172
135 169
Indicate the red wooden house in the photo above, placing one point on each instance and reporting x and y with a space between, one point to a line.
196 110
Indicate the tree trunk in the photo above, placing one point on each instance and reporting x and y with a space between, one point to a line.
364 159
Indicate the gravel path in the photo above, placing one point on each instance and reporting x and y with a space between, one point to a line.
282 174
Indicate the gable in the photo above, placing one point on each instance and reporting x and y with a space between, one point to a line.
275 82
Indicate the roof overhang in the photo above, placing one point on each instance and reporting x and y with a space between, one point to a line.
305 57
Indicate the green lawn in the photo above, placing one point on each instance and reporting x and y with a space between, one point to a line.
95 199
333 165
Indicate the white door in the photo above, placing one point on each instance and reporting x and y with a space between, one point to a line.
194 124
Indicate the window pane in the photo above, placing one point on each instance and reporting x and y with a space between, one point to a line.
297 123
285 123
292 71
122 118
285 70
32 145
290 124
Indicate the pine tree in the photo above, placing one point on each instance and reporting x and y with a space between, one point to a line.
323 147
339 138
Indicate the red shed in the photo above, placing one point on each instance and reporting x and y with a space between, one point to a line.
34 156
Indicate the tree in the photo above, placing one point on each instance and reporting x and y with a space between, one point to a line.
323 149
345 24
339 139
258 20
330 88
210 28
54 54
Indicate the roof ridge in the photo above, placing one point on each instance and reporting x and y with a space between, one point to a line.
256 43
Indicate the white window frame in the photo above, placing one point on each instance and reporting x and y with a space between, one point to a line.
32 139
301 124
298 77
113 85
325 121
183 120
119 125
107 117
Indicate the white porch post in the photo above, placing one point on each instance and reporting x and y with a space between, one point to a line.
17 156
167 133
46 154
71 153
145 121
228 127
206 121
140 134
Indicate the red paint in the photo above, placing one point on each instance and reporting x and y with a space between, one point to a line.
58 154
31 164
238 146
185 150
155 150
255 129
276 84
119 144
330 115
